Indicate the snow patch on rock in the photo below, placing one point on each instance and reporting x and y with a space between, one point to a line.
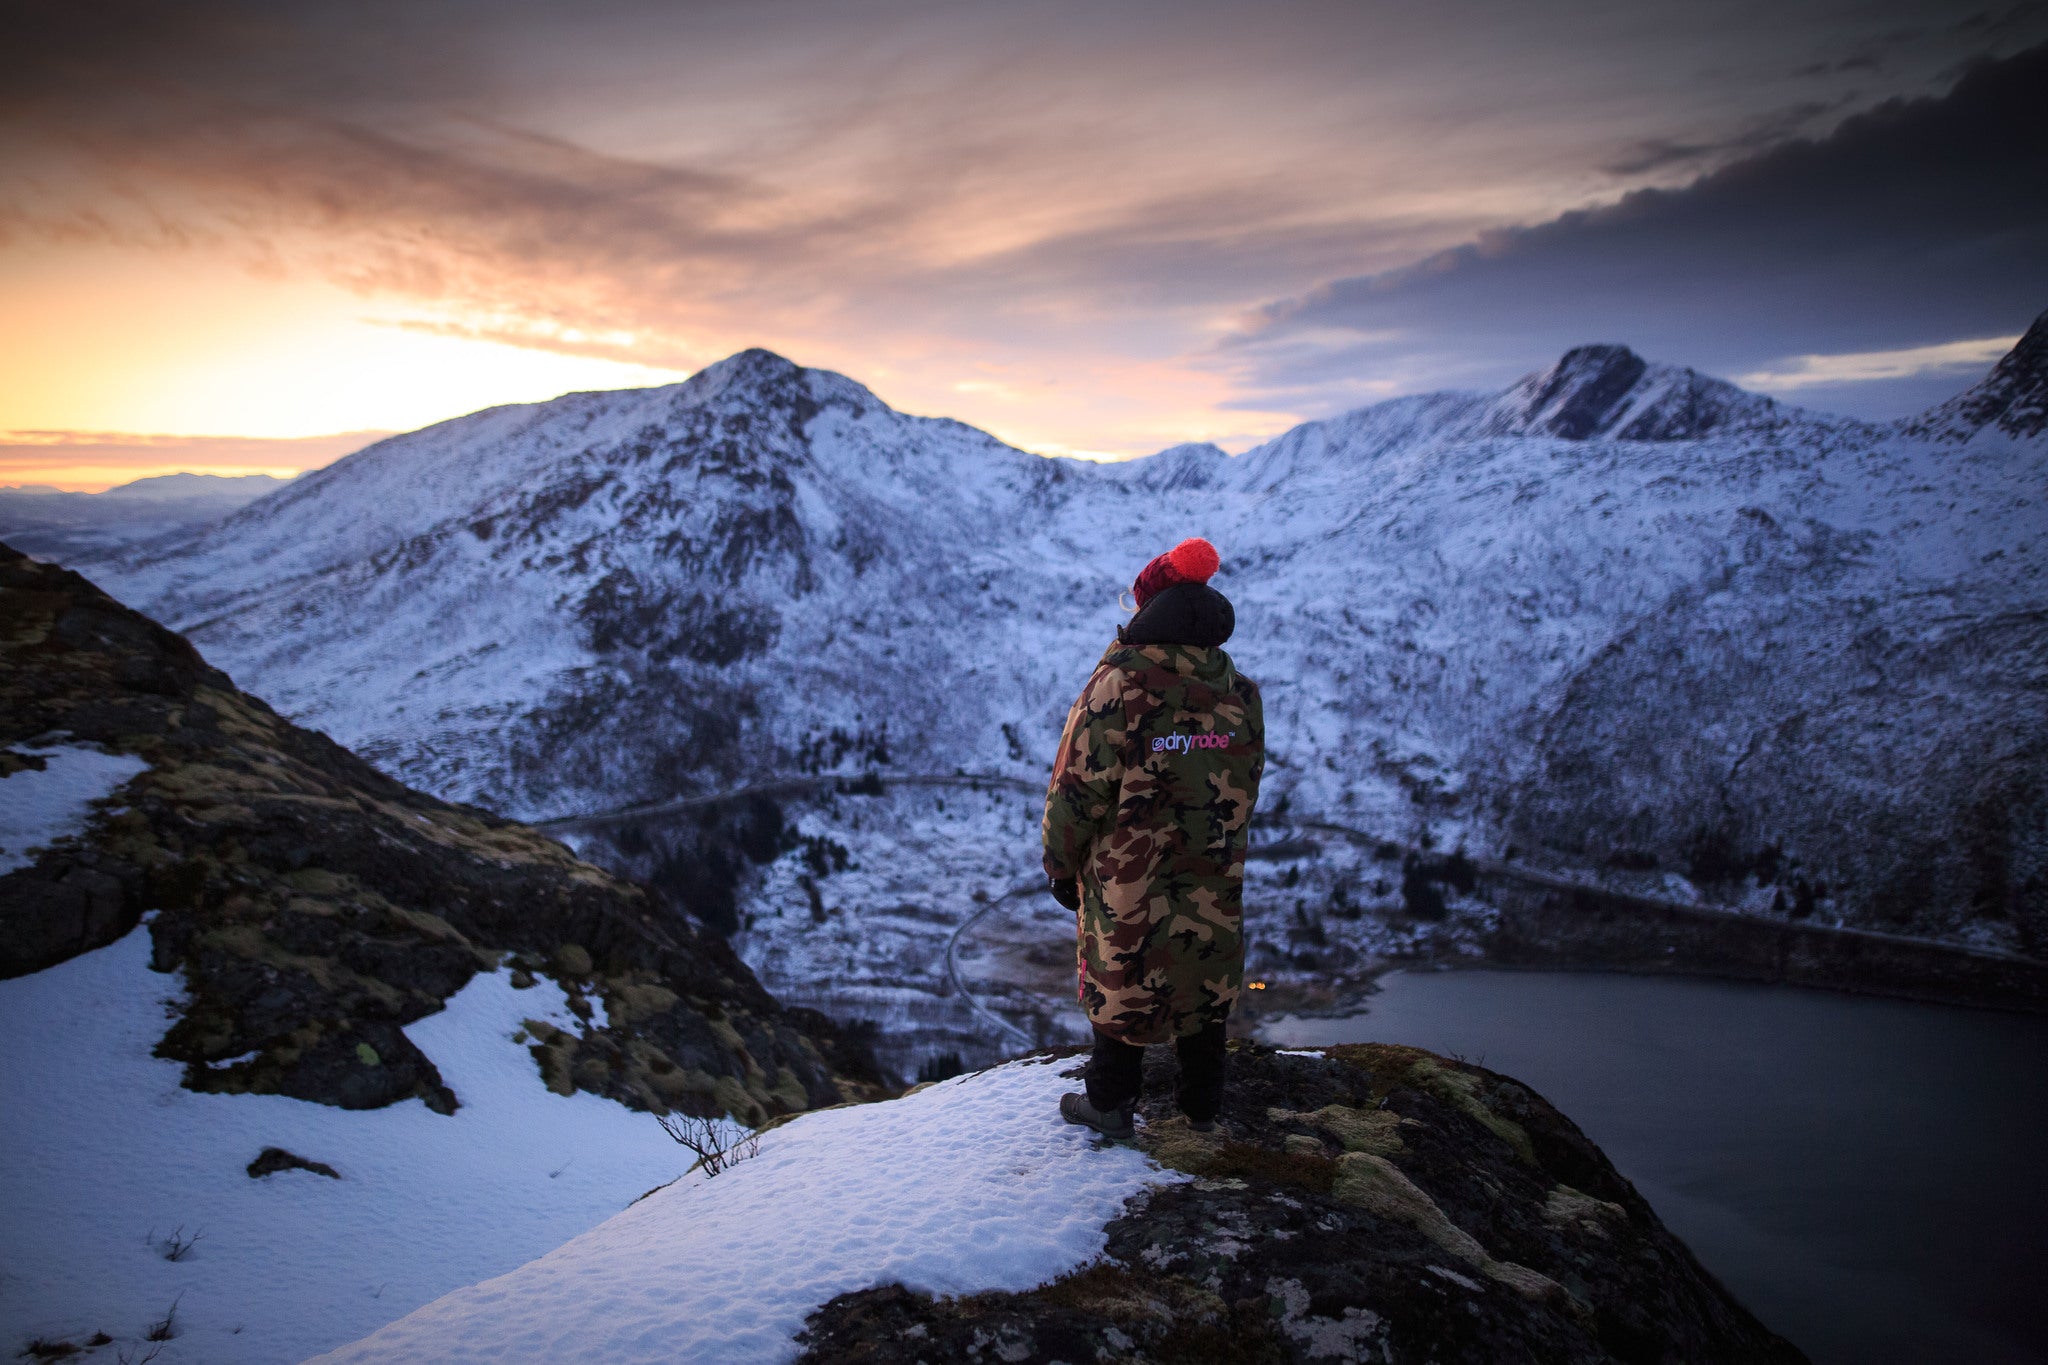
39 806
108 1154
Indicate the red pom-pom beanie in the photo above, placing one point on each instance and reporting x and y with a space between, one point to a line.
1191 561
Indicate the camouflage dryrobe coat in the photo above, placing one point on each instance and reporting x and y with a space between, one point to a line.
1150 807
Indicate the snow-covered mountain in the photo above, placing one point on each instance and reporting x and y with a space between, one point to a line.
1620 617
2011 401
619 596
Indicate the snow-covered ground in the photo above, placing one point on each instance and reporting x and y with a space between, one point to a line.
972 1184
107 1159
39 806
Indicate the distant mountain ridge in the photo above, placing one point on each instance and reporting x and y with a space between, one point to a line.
59 525
1610 391
1619 615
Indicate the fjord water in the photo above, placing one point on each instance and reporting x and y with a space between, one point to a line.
1869 1176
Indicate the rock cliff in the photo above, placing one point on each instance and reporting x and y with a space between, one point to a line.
1372 1203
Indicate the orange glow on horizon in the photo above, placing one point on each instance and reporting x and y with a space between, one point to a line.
91 462
108 339
194 345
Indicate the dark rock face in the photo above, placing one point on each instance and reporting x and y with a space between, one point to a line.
1611 392
316 906
271 1160
1379 1203
1576 397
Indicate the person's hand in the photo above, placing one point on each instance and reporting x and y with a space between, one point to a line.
1067 893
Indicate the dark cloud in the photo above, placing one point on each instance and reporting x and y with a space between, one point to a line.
1862 63
1918 223
1659 154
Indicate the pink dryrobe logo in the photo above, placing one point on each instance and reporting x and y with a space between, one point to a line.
1183 743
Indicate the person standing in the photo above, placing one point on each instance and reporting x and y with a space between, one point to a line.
1146 822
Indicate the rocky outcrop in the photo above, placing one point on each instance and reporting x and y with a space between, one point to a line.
2013 398
1372 1203
315 906
1611 392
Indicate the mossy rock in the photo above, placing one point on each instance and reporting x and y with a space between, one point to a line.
1445 1244
313 904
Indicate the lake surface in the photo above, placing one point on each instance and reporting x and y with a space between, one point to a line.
1870 1177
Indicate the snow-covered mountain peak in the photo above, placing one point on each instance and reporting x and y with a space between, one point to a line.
760 378
218 487
2013 398
1610 391
756 364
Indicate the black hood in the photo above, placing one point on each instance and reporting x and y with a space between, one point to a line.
1183 614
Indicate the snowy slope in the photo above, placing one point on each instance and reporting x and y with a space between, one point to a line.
1620 617
109 1158
971 1185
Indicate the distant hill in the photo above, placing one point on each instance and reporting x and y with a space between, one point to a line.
60 526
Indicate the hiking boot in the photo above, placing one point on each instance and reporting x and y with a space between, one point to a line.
1196 1125
1115 1124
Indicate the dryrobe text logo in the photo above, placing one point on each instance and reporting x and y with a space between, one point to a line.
1183 743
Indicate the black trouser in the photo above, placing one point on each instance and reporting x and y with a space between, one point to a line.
1116 1073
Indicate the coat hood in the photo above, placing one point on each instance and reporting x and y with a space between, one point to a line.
1175 667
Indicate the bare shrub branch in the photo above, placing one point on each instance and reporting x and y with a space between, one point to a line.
702 1137
177 1246
166 1327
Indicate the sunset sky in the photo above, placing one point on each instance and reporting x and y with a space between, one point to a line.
238 237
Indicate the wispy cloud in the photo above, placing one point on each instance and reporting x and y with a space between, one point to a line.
1863 367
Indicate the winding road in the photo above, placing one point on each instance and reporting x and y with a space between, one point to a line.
980 1010
784 786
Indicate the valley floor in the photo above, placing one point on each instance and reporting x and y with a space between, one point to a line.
922 911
